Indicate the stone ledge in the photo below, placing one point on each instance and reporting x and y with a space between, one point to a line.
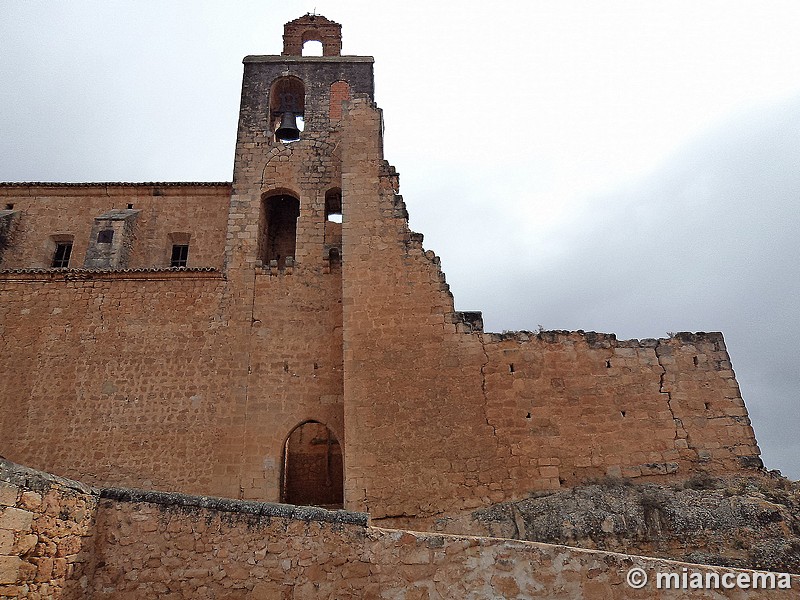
273 58
139 274
603 340
39 481
243 507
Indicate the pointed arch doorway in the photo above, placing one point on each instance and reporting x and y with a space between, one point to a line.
313 469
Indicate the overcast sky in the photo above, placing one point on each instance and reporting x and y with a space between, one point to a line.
629 167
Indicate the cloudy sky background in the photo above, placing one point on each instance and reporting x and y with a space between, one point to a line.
629 167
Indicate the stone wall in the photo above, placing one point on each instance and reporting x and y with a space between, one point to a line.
119 378
44 210
441 417
179 547
172 546
192 379
44 524
582 406
155 364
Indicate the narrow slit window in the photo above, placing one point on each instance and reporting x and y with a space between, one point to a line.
180 255
333 205
62 254
334 259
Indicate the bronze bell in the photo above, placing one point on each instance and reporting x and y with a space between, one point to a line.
288 131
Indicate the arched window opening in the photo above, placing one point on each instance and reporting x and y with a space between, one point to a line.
279 229
287 108
313 470
333 205
312 48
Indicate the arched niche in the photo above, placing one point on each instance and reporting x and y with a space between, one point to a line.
313 467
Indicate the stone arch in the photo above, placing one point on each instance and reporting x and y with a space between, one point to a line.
312 47
333 204
277 239
313 467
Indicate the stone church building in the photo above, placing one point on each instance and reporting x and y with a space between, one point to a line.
285 337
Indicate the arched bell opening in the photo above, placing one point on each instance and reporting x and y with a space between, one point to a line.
312 47
287 108
278 239
313 467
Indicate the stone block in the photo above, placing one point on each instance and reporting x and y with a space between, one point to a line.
15 519
10 569
6 542
25 544
8 494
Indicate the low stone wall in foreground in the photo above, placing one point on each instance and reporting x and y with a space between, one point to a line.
172 546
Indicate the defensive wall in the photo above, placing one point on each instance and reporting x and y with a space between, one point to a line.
61 539
464 418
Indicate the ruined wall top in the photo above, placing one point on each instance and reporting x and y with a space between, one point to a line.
311 27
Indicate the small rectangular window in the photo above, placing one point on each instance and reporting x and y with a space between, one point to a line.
180 254
106 236
61 255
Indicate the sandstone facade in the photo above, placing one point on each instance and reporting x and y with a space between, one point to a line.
195 326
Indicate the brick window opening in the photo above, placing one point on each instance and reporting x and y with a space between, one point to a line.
61 255
10 206
106 236
313 472
279 228
312 48
180 255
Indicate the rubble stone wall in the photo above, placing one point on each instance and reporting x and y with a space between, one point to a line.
249 551
45 523
58 541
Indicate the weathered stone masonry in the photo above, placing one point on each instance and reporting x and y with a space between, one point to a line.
132 366
60 539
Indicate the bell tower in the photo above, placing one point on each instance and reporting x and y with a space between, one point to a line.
286 202
283 256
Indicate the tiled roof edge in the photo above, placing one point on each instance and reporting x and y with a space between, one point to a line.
114 183
67 271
